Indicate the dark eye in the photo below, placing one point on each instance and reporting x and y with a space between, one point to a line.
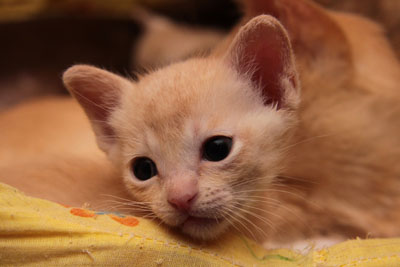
144 168
217 148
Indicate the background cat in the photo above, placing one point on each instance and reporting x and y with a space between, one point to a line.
383 11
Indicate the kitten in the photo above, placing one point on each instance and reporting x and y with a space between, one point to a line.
223 141
241 103
188 143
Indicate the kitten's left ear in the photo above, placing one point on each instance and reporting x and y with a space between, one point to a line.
98 92
261 51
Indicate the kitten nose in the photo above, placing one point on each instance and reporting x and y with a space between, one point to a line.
182 202
182 189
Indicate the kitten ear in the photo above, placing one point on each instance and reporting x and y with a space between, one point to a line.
98 92
314 32
261 51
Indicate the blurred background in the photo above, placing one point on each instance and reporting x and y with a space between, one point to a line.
39 39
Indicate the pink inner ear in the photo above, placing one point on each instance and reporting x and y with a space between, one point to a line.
97 91
98 107
269 69
264 47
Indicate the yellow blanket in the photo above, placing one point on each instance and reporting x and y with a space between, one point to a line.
36 232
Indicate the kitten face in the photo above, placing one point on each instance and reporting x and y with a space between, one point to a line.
169 123
156 130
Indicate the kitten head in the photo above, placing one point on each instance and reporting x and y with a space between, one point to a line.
197 141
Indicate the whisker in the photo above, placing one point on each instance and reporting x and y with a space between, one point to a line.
243 225
223 214
282 207
115 200
282 219
308 140
247 220
265 220
249 181
125 199
259 199
127 205
296 179
275 191
122 204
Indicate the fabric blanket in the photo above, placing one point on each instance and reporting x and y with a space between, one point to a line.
37 232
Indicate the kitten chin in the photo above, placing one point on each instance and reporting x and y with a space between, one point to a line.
204 228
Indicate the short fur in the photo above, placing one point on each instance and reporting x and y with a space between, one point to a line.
325 168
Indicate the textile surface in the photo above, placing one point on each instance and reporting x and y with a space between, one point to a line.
36 232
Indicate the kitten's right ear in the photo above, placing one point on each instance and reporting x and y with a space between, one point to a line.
98 92
314 32
261 52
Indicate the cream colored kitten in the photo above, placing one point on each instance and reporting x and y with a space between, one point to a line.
222 141
190 138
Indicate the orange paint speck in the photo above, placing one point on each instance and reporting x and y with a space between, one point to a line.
128 221
82 212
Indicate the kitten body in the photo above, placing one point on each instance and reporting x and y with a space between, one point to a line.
347 141
48 150
324 167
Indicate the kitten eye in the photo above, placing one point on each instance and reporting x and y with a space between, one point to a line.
144 168
217 148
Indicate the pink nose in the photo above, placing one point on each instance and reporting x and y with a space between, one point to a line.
182 202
